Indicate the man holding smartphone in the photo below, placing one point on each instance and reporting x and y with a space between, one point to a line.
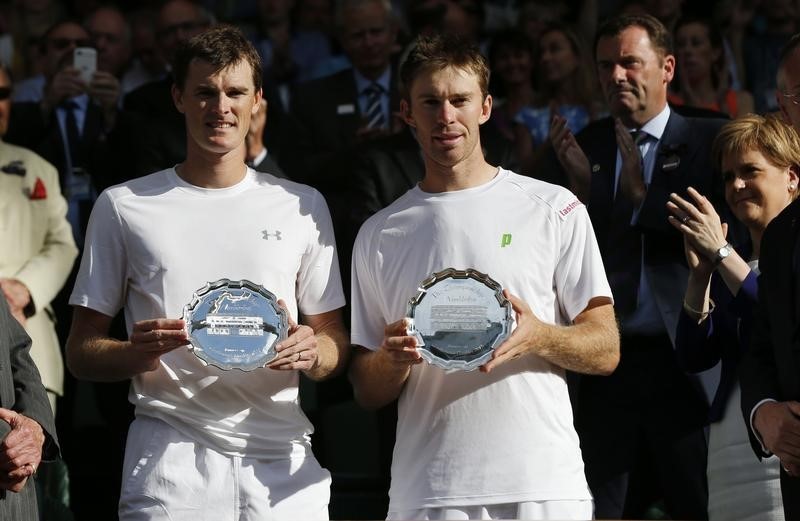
65 118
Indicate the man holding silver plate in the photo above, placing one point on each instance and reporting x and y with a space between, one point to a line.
211 262
438 275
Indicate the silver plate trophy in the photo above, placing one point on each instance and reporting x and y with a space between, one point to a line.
235 324
458 318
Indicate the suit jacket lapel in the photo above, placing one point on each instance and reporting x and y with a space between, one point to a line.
674 150
602 154
794 270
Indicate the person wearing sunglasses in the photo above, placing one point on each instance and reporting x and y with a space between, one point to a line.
37 250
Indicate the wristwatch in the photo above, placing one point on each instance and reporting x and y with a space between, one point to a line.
723 253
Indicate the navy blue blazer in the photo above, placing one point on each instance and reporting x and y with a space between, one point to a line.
721 338
771 367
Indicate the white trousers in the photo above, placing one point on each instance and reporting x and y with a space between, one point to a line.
552 510
169 477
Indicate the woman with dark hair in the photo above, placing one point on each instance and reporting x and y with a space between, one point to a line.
511 60
760 163
703 77
565 88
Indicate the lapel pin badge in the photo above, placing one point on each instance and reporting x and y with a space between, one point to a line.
595 167
671 163
347 108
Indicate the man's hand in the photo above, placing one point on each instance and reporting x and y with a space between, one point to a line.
105 90
521 341
17 296
631 178
571 156
778 424
20 451
66 83
150 339
299 350
398 347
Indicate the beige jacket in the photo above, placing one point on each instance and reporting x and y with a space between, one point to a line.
37 248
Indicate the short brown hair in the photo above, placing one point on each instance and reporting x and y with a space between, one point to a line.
438 52
222 46
659 36
776 140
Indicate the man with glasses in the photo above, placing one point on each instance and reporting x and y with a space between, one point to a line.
770 376
177 22
66 119
159 130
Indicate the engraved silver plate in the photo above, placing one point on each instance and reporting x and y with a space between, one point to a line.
235 324
458 318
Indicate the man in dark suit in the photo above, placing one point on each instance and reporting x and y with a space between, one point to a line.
27 432
648 414
339 112
770 370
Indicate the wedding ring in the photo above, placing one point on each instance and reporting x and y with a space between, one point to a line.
686 219
298 357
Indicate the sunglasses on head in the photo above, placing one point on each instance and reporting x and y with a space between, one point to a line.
62 43
5 93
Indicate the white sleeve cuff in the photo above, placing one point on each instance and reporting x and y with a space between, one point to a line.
753 427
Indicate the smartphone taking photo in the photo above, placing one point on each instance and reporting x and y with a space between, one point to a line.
85 60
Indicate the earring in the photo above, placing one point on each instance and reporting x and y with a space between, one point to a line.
791 186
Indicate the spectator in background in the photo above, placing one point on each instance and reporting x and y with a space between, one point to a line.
289 55
668 12
463 18
535 15
733 18
703 78
776 21
65 119
342 111
147 64
566 89
511 58
649 414
157 130
177 22
769 376
37 250
315 15
110 35
759 159
256 154
28 21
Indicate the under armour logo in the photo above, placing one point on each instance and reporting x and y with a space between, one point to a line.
267 235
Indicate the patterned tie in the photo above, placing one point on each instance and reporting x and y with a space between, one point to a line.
374 112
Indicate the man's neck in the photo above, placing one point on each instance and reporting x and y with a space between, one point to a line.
209 170
638 119
467 174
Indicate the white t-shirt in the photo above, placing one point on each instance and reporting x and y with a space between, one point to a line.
467 438
154 241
